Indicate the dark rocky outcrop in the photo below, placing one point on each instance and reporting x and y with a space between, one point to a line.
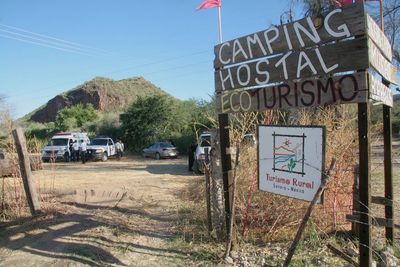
104 94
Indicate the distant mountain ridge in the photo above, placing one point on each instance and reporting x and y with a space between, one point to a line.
103 93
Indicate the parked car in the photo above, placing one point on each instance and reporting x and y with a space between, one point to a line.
101 148
203 144
161 150
58 147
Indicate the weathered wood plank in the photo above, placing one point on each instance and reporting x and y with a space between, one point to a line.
382 201
379 38
379 222
384 67
380 92
332 58
350 88
337 24
26 173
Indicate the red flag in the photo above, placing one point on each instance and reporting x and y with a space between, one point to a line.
209 4
349 2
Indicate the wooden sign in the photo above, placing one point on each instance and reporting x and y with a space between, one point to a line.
320 61
384 67
379 92
336 25
291 160
379 38
349 88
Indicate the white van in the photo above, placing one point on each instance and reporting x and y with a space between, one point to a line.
58 147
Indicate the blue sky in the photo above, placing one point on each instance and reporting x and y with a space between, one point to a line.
166 42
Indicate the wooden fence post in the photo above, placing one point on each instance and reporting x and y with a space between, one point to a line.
208 189
26 173
364 185
356 200
387 140
217 203
226 165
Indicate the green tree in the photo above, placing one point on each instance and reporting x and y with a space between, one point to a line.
146 120
75 117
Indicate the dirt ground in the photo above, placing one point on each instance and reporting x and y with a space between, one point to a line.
118 213
124 213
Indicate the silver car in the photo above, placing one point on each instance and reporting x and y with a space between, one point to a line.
161 150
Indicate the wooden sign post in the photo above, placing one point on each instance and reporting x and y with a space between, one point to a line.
315 61
387 137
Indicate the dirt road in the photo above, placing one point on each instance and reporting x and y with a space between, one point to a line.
118 213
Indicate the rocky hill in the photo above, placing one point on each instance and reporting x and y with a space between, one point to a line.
104 94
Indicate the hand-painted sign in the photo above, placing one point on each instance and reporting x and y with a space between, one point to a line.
291 160
380 92
278 67
379 38
337 24
381 64
349 88
320 61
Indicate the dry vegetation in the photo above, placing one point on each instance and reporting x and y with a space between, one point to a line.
266 223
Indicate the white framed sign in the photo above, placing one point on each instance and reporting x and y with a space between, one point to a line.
291 160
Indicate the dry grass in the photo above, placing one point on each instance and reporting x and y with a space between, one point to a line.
271 220
13 203
271 217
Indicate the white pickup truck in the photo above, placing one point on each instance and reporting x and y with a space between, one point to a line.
203 144
101 148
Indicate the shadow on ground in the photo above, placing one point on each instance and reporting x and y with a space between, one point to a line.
163 167
80 238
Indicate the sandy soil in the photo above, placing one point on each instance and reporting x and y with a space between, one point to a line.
118 213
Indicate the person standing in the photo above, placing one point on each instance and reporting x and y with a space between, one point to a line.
120 148
83 148
75 147
70 150
191 151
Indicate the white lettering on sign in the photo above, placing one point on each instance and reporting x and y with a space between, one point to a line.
295 65
269 40
343 29
297 35
311 32
307 63
282 62
255 40
264 72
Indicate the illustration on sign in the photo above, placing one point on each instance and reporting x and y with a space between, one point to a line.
291 160
289 153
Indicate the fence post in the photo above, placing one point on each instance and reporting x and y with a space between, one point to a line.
387 140
216 182
356 200
208 188
26 173
364 185
226 165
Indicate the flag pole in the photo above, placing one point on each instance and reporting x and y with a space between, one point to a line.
219 25
381 15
